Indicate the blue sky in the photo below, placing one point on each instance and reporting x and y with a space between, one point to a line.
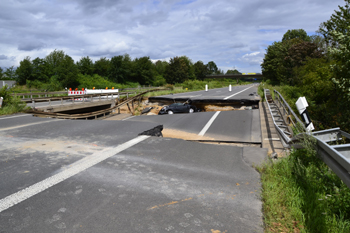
230 33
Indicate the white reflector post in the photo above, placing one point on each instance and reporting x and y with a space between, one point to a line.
1 101
206 87
301 106
230 88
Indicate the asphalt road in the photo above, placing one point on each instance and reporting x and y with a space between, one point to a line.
100 176
230 126
246 92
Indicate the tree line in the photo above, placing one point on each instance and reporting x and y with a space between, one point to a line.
317 67
58 70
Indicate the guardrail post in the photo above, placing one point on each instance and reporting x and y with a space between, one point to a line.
127 95
33 102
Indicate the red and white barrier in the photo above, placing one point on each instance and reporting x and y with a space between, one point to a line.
93 91
77 93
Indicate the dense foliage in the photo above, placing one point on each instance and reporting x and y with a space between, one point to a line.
316 67
58 71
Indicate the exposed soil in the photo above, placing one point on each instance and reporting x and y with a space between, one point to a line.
172 133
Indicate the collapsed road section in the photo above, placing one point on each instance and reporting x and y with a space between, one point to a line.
235 97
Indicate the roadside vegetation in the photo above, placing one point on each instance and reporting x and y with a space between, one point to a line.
10 104
299 192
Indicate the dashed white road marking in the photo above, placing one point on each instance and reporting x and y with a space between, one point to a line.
237 93
206 127
75 168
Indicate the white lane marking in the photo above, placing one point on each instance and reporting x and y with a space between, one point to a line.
237 93
14 116
206 127
20 126
82 165
128 118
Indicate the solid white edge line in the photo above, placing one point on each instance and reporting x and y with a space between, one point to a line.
21 126
237 93
85 163
206 127
128 118
14 116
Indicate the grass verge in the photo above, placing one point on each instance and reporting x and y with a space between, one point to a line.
301 194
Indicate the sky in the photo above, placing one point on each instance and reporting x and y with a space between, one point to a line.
232 33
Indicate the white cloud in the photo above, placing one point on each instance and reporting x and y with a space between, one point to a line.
232 34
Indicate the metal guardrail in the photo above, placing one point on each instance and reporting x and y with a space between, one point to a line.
288 110
90 114
337 157
278 121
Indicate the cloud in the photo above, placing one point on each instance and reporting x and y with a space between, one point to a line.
233 34
31 45
3 57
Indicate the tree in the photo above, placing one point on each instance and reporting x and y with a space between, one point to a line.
296 33
120 69
102 66
177 71
142 72
25 71
272 66
336 32
10 73
282 57
300 52
200 70
62 68
40 70
235 71
212 68
160 66
85 66
1 73
339 22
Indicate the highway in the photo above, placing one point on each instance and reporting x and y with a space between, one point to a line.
102 176
246 92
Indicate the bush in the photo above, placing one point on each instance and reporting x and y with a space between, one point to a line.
10 104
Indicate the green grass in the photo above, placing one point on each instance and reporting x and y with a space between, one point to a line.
301 194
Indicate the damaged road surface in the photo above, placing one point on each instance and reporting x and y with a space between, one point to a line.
122 176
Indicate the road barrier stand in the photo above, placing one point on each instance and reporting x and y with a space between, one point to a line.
301 105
